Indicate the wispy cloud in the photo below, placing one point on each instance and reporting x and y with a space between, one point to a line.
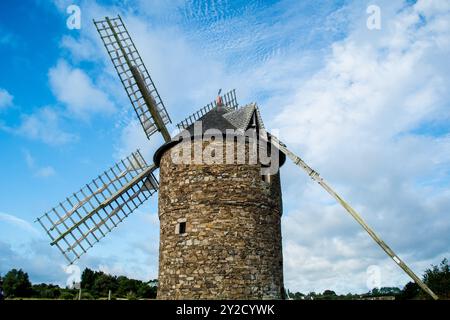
81 49
29 160
38 171
75 89
17 222
45 172
44 125
41 172
6 99
132 137
7 38
62 4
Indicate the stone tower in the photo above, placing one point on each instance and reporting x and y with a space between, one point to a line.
220 232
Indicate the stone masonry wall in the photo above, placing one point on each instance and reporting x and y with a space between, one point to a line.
232 245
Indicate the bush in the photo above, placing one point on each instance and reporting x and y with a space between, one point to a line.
46 291
87 296
131 296
67 296
146 291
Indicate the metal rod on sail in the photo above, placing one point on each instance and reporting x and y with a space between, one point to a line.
316 177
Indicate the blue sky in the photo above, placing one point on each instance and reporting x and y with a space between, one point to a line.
369 109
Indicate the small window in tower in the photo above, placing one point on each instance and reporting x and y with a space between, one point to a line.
182 228
265 178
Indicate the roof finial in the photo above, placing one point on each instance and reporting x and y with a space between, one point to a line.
219 102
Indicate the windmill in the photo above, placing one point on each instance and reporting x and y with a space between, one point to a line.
85 217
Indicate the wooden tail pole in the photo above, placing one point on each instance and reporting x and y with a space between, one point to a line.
316 177
150 102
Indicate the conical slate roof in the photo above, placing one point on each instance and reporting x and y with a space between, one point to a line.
241 117
223 118
220 119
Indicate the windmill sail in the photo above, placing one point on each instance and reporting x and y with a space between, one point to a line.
134 76
85 217
316 177
229 101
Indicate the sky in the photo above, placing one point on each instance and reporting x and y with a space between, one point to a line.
367 108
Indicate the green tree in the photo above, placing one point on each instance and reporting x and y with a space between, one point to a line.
389 291
374 293
349 296
103 283
298 296
87 279
438 279
146 290
311 296
125 286
329 293
17 284
384 291
1 288
410 291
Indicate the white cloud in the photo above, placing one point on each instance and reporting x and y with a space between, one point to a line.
80 49
132 137
7 38
6 99
44 125
352 120
29 160
359 111
44 263
62 4
41 172
74 88
45 172
365 122
36 257
18 222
